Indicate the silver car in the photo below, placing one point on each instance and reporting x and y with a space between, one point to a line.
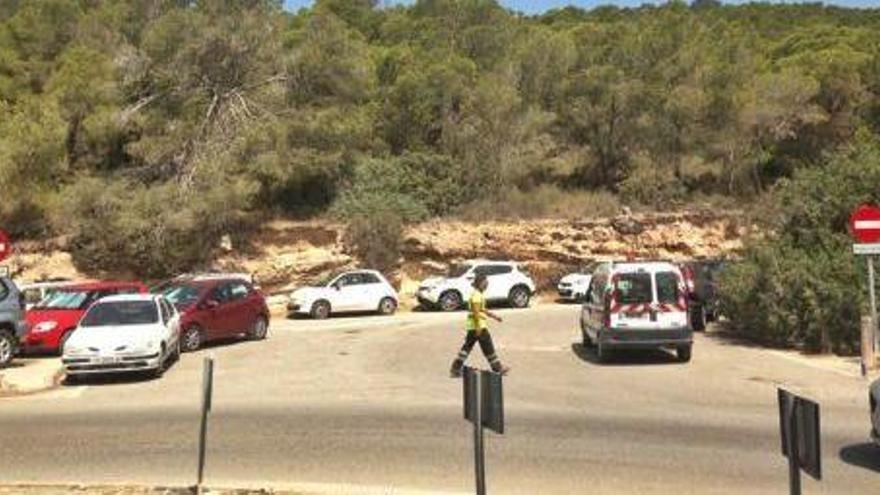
874 401
12 325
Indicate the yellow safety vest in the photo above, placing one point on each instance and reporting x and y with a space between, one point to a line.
476 319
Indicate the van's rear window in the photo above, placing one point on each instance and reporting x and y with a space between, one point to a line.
634 288
667 287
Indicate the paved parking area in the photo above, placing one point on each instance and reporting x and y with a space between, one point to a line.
364 404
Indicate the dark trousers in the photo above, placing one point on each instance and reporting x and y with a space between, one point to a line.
486 345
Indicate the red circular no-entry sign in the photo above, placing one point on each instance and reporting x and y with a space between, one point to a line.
864 224
5 245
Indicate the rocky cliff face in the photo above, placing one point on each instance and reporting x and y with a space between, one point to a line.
286 254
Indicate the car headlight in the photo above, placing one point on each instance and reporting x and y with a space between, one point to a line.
45 326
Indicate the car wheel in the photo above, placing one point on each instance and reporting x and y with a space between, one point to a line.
176 356
259 329
387 306
603 353
450 301
320 310
698 319
684 353
7 347
192 338
586 340
519 297
163 360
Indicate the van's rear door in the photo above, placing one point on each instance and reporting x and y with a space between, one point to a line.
633 298
671 305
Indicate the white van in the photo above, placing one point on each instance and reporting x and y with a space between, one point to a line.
637 305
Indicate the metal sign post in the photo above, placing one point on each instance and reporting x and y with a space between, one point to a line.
873 304
484 407
801 437
207 391
794 469
479 452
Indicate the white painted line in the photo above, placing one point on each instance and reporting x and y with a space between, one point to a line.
867 225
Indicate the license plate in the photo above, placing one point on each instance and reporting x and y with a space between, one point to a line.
634 316
108 360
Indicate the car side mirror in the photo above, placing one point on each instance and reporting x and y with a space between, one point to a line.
211 304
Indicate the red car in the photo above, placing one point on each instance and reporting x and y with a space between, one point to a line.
51 321
216 307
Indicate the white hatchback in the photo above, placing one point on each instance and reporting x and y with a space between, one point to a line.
133 332
349 292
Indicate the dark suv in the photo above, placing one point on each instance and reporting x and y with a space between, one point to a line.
12 325
702 280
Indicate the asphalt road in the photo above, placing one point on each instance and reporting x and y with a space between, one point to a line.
361 405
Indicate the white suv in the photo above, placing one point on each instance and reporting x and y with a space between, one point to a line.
355 291
507 283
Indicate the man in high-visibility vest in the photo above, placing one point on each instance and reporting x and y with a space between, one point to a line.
477 327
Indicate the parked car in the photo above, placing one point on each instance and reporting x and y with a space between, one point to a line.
354 291
874 402
637 305
701 278
214 308
507 283
124 333
37 291
574 286
51 321
12 323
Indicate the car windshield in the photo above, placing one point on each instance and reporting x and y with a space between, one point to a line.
456 271
323 281
181 294
116 313
63 299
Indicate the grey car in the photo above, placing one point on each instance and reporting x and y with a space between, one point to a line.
12 325
874 401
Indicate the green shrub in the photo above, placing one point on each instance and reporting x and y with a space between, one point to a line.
416 185
804 287
149 231
376 239
650 184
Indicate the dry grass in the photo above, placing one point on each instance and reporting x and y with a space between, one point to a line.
542 202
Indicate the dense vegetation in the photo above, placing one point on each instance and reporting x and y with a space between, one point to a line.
145 130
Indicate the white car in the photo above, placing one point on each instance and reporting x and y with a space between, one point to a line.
574 287
132 332
507 283
355 291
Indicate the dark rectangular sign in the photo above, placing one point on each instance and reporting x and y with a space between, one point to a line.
493 402
491 398
807 431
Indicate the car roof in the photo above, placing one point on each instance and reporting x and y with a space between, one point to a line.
101 284
129 298
489 262
647 266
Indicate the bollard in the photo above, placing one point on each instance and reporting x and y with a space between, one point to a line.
869 358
